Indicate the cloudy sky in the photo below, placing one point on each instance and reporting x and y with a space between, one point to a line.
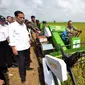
49 10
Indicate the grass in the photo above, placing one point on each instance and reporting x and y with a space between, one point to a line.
78 69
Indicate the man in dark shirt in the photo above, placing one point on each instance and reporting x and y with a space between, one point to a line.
33 23
71 30
35 27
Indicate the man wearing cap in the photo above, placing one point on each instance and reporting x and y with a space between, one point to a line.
3 47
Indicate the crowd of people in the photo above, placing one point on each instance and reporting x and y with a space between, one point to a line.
15 42
16 34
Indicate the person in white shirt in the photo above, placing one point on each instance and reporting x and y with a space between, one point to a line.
20 43
11 59
3 49
9 20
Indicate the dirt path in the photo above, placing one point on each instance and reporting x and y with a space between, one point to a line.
33 75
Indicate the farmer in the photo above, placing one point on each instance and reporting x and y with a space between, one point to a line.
33 23
71 30
35 27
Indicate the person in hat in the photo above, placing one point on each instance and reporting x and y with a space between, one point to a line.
3 48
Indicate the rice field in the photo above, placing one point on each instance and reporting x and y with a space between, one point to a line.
78 25
78 69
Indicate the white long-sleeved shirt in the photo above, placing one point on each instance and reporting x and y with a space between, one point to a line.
18 36
3 33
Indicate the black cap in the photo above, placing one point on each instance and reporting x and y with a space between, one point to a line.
2 18
32 16
44 22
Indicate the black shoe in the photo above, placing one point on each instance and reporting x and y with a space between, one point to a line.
28 68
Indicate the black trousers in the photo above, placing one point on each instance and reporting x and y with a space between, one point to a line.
3 46
23 62
3 64
9 55
2 75
5 54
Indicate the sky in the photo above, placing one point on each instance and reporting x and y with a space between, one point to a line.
48 10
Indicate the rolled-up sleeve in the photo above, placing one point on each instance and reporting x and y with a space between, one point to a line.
67 29
74 28
11 35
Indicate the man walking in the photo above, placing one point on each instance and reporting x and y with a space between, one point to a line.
20 43
3 49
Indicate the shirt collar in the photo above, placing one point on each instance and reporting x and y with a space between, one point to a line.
19 24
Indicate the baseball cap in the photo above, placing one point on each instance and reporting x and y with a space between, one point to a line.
2 18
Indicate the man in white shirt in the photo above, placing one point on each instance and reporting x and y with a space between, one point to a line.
11 59
9 20
20 43
3 49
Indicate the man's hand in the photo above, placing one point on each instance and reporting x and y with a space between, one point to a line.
2 82
73 33
76 34
30 42
80 31
39 33
14 50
